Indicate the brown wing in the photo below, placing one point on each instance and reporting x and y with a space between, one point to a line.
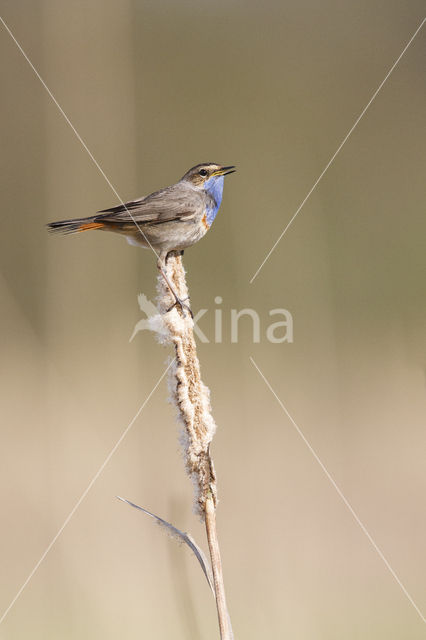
173 203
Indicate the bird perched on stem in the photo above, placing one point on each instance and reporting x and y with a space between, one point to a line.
171 219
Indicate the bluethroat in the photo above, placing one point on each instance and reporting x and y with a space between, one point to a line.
171 219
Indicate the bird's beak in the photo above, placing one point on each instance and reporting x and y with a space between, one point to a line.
224 171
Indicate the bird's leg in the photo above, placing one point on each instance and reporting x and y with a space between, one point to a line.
180 253
161 264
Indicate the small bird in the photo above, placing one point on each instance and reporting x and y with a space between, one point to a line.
171 219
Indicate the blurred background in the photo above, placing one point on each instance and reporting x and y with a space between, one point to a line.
154 88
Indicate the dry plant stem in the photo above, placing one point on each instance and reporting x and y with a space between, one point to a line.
192 401
219 586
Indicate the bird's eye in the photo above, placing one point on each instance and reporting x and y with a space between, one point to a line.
203 172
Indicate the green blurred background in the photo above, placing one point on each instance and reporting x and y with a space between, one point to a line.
154 88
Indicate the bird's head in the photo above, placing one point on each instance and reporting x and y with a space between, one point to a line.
207 172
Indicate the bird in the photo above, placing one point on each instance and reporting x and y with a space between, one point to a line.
171 219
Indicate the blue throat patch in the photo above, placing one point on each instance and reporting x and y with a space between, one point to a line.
214 187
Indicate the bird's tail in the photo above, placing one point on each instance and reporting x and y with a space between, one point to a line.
75 225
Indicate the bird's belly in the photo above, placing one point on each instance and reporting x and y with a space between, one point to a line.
175 235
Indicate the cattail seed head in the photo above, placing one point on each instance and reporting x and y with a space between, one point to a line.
188 393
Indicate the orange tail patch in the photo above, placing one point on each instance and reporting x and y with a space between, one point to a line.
90 225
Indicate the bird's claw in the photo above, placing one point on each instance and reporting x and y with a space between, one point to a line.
181 303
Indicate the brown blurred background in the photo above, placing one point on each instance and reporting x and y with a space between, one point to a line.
153 88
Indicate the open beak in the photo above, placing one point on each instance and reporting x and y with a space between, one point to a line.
224 171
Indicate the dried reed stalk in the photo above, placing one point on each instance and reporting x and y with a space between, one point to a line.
192 400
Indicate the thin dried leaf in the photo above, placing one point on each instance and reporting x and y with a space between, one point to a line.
182 537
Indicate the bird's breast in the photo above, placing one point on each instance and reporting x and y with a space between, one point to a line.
204 222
